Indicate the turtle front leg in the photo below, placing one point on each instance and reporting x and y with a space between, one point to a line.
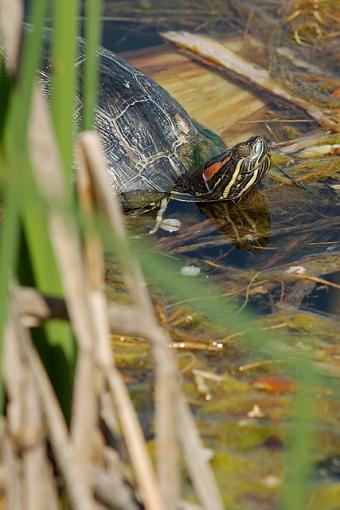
159 217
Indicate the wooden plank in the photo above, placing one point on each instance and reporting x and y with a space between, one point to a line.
207 95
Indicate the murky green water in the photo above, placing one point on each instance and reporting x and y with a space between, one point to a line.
258 252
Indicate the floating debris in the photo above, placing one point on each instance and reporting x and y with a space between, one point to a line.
296 270
271 481
255 412
273 384
170 225
190 271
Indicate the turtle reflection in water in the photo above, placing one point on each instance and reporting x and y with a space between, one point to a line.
154 149
247 225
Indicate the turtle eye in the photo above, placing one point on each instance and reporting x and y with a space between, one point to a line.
242 150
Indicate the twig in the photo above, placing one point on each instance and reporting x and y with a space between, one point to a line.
35 308
302 142
135 442
200 473
320 150
311 278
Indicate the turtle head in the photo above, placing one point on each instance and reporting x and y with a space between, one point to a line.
232 174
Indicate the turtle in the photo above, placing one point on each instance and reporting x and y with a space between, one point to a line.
153 148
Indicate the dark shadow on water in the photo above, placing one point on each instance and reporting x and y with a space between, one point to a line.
121 37
325 299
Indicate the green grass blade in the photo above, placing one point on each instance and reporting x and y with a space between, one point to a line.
5 94
64 78
93 38
298 469
37 262
14 118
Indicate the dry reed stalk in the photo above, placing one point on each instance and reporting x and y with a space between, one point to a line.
77 290
77 488
304 142
109 487
215 53
15 374
73 462
92 159
11 16
67 247
94 263
34 456
26 408
200 472
68 251
25 444
12 477
135 442
166 373
168 415
84 410
35 308
93 250
186 505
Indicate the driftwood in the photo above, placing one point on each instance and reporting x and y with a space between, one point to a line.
215 53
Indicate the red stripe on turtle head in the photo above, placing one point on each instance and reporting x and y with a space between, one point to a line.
212 169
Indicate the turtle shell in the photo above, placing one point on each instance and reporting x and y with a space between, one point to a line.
149 140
